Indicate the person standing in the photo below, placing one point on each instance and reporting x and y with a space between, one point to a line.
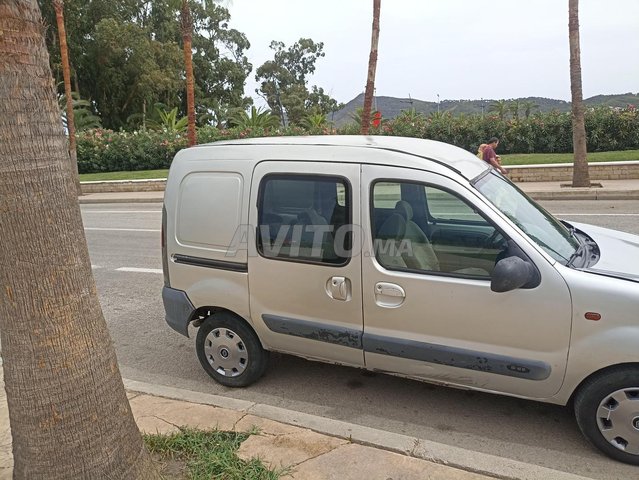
489 155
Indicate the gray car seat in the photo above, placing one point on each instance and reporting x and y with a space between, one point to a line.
403 242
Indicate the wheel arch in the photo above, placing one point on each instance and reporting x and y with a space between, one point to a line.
601 371
202 313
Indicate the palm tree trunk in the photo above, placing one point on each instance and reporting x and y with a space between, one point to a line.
372 67
58 5
68 409
187 37
580 175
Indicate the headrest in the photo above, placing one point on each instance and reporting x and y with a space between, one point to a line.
404 209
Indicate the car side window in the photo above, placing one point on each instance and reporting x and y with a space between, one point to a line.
432 230
304 218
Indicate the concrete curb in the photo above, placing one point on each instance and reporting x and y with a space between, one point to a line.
469 460
586 194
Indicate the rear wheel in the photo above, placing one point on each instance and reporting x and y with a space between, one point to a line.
607 411
230 351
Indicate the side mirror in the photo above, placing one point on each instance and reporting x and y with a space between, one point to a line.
512 273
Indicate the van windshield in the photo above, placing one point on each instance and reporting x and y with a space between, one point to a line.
539 225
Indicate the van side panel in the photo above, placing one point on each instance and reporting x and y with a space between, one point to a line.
206 202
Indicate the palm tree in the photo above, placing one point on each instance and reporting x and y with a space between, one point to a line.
68 410
372 67
58 6
500 107
513 107
167 120
84 118
257 119
529 106
580 174
187 38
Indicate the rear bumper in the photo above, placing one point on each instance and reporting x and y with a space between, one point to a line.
179 309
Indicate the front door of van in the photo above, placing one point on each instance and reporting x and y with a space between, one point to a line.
304 283
429 311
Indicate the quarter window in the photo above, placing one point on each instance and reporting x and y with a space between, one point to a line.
305 218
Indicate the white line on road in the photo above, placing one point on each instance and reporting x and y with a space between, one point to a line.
139 270
95 267
121 211
597 214
122 229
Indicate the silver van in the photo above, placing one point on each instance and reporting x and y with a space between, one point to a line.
404 256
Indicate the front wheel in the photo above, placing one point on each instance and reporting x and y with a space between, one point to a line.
607 411
230 351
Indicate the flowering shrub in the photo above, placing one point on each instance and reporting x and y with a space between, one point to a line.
607 129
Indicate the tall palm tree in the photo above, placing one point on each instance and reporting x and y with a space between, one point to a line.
68 409
372 67
500 107
58 6
529 106
187 38
580 174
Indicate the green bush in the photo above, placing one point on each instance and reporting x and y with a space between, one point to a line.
607 130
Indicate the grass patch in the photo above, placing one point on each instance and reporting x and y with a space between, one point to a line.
544 158
208 455
136 175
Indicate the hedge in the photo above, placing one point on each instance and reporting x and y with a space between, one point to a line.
607 130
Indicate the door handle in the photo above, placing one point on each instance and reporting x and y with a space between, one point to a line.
339 288
389 295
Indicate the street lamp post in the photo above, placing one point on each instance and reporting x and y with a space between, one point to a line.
438 103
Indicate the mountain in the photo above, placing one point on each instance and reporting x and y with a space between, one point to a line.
392 106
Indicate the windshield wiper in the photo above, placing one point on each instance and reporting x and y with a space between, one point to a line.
582 251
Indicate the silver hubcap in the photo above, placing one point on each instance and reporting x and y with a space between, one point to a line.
225 352
618 419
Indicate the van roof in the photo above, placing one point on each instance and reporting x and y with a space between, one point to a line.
455 158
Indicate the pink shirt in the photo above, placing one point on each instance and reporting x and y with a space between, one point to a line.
489 154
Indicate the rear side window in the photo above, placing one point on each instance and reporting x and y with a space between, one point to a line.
305 218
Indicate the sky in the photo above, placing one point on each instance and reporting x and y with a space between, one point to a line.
459 49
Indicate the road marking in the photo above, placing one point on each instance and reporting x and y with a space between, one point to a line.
95 267
597 214
139 270
121 211
122 229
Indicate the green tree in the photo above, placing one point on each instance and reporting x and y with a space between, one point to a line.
529 106
168 121
84 118
257 119
284 81
127 54
500 107
513 107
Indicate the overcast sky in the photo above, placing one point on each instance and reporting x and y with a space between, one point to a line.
459 49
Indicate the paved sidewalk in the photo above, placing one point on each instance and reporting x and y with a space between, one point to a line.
309 455
314 448
610 190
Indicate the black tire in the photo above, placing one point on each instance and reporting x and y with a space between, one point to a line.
590 396
248 356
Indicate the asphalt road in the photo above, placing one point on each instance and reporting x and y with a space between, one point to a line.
124 241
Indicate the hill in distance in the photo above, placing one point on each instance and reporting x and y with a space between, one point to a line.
392 106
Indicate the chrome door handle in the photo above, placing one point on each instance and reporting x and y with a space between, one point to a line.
389 295
339 288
